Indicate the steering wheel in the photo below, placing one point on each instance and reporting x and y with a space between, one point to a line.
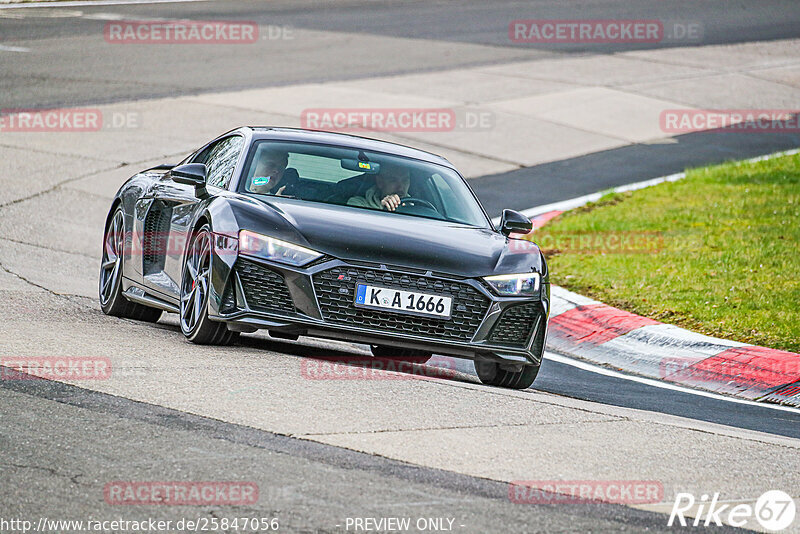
414 202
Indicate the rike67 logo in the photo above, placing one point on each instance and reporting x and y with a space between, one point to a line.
774 511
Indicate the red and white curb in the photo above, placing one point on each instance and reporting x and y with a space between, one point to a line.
589 330
584 328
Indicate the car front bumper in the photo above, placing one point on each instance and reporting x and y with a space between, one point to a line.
318 300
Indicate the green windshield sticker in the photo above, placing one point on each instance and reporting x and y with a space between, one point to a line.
260 180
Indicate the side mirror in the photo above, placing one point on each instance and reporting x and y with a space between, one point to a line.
193 174
515 222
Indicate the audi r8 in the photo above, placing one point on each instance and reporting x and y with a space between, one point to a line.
309 233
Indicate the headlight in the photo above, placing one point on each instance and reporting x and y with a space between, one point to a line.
515 284
269 248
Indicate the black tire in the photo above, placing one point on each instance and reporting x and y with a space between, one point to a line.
396 353
491 374
195 324
112 301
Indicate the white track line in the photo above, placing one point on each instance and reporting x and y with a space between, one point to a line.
586 366
90 3
4 48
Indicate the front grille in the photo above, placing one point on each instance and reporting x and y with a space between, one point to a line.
335 289
516 325
264 289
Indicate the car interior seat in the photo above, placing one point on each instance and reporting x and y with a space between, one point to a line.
355 186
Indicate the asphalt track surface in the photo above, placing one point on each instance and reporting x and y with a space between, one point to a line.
310 487
68 37
563 379
88 436
599 171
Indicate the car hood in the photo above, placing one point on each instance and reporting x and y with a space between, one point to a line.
400 240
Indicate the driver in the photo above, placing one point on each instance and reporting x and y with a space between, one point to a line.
270 177
391 186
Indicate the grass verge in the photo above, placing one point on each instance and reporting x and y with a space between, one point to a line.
717 252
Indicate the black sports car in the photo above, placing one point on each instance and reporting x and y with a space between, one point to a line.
330 235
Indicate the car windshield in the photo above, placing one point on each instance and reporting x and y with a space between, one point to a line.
360 179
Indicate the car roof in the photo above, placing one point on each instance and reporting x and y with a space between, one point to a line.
345 140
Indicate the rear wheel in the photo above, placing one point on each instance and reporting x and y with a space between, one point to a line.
195 324
493 374
112 301
395 353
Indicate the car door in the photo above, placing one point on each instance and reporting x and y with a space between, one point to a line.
172 211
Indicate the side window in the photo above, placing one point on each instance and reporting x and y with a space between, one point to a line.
221 160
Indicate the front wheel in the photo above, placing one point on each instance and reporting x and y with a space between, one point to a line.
492 374
195 288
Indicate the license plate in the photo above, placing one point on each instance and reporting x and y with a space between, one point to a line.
400 301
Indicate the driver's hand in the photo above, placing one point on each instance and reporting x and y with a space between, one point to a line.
390 202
